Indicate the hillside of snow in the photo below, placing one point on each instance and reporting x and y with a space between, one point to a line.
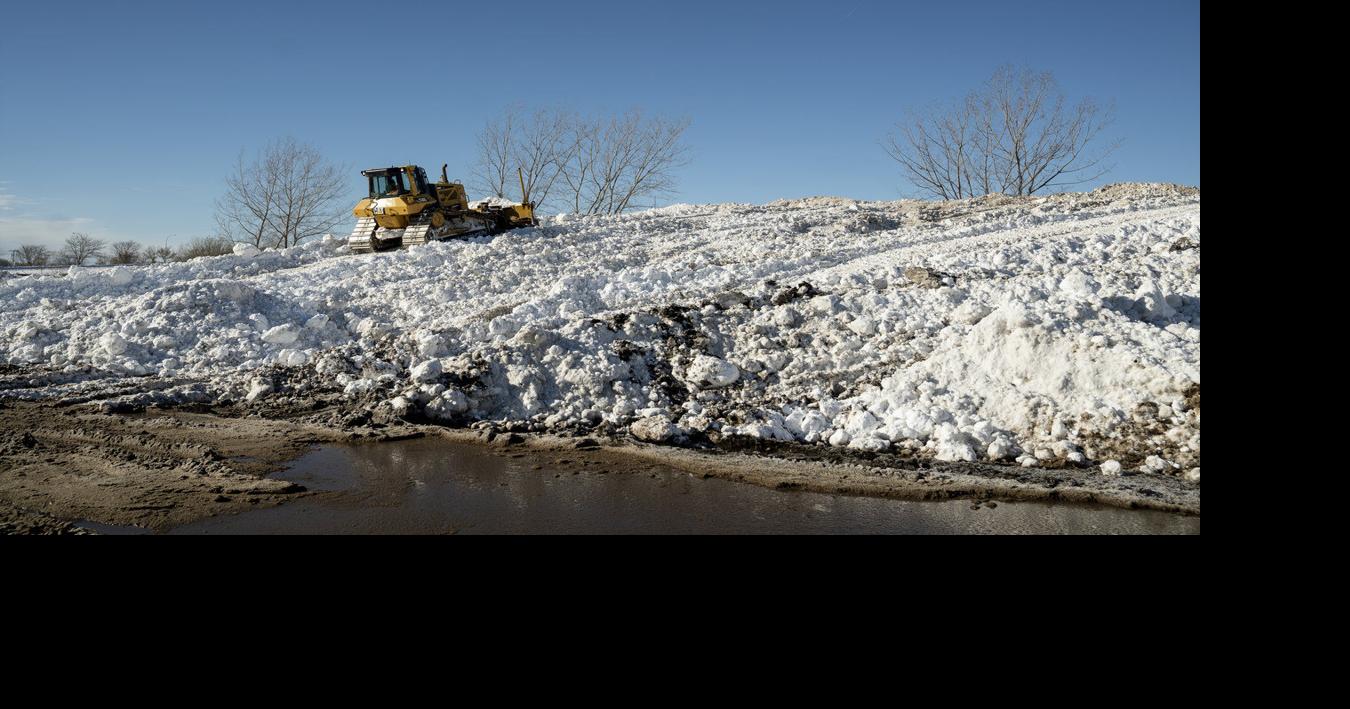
1063 328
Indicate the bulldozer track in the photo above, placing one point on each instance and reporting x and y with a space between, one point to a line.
362 238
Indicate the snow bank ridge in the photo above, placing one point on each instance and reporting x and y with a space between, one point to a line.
1061 329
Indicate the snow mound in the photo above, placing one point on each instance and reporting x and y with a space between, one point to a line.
492 202
1061 329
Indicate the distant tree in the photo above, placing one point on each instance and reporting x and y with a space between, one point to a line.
159 254
603 165
79 248
288 193
205 246
4 262
125 252
1016 135
31 255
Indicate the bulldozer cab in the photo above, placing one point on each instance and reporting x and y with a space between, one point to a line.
386 182
396 181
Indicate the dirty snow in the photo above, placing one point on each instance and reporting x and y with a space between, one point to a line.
1064 328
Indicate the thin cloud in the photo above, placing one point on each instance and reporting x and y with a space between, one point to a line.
50 232
9 201
25 221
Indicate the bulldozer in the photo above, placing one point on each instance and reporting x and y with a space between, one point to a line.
404 210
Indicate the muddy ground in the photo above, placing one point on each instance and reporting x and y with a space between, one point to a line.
156 470
164 468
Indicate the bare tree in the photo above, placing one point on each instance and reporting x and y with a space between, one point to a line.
125 252
31 255
538 145
1015 135
80 247
618 161
579 172
938 150
205 246
496 144
288 193
600 165
159 254
1046 143
543 151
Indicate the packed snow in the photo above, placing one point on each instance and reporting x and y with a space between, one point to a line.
1056 329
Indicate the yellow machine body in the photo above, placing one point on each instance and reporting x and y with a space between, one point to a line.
404 209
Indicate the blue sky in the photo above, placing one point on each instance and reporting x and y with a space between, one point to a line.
122 119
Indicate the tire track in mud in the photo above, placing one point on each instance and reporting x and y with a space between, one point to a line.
152 471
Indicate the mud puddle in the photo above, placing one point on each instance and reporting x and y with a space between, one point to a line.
429 486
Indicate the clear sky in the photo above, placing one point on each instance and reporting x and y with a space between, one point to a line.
122 119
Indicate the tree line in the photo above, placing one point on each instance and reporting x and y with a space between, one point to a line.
80 249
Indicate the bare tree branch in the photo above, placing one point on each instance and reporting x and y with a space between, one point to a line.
600 165
1015 135
125 252
80 247
204 246
31 255
159 254
287 194
623 159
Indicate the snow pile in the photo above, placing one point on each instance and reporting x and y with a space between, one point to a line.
1064 328
497 202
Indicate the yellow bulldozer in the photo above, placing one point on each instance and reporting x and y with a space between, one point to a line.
403 209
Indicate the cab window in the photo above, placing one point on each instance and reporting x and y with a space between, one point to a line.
387 185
